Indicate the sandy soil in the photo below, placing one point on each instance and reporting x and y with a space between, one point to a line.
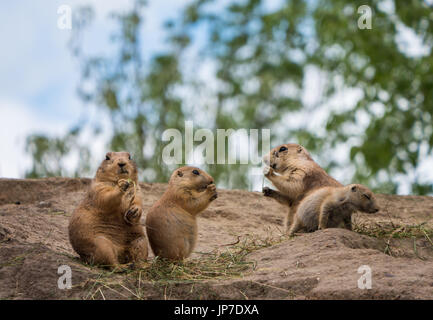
34 216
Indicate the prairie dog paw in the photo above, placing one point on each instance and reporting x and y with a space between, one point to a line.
132 215
267 191
268 171
212 190
211 187
123 184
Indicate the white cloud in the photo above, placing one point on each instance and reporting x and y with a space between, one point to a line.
39 75
410 43
17 121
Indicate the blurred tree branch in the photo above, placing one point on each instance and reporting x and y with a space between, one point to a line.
260 58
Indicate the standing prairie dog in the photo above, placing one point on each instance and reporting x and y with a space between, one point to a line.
171 222
295 174
104 229
329 207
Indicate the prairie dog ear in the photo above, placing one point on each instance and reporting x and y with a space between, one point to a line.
304 152
179 173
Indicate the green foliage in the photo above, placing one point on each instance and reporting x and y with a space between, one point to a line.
399 83
48 155
260 58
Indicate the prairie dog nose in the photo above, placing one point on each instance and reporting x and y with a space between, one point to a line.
121 164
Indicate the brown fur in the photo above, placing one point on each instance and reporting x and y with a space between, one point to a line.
171 222
331 207
295 174
105 229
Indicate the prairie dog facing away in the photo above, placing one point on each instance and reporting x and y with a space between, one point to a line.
105 228
171 222
329 207
295 174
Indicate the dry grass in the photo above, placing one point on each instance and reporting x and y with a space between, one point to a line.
392 230
222 263
219 264
17 260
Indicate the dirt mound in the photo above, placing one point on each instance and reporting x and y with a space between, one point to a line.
241 252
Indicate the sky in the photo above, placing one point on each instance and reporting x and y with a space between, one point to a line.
39 76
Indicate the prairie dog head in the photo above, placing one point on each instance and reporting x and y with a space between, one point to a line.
361 198
190 179
287 156
192 189
115 166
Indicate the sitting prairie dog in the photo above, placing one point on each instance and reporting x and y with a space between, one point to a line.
295 174
329 207
171 222
105 228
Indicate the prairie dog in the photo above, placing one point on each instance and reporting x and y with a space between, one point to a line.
171 222
104 229
295 174
329 207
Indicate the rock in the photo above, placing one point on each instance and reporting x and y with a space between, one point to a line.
44 204
5 234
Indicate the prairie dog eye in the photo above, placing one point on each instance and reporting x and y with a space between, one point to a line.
107 158
195 172
129 157
299 149
282 149
353 188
